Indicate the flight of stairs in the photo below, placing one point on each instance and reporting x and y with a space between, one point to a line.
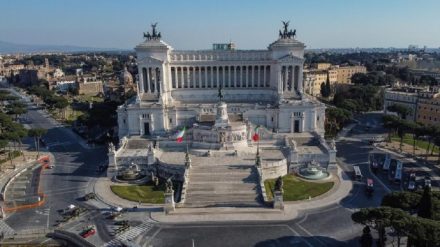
223 181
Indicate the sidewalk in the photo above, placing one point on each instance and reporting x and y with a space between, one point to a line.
20 164
292 210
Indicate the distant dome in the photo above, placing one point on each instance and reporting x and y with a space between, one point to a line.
126 77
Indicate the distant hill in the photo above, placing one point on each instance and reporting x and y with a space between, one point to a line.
7 47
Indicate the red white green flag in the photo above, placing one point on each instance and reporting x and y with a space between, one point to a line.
256 137
180 135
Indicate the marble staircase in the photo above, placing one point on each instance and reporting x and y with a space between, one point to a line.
225 181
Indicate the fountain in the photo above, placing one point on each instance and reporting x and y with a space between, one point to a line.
131 173
313 171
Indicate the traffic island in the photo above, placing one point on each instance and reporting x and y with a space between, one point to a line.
296 189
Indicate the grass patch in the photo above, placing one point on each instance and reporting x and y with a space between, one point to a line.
296 189
408 139
143 193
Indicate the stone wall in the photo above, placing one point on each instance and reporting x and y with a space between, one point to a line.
273 169
166 170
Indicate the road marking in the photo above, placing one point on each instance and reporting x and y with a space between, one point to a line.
297 234
5 229
311 235
130 234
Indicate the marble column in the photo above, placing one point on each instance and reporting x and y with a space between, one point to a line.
258 76
247 76
229 76
284 78
212 76
252 76
182 77
200 76
223 82
264 76
176 76
148 80
206 77
156 81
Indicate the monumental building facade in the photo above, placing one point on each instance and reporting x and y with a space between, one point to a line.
240 112
178 88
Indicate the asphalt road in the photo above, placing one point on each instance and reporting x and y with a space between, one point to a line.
65 184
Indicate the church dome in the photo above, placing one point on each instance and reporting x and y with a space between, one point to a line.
126 77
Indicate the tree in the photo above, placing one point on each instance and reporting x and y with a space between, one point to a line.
426 209
417 133
404 200
16 108
430 132
3 144
324 93
391 123
328 87
61 103
401 110
335 119
37 133
366 238
437 143
376 218
402 128
427 80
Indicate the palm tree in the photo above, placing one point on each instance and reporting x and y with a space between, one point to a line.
37 133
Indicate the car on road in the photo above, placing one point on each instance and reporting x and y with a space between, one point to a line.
88 231
370 187
50 166
89 196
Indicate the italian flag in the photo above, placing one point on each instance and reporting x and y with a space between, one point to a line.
180 135
256 137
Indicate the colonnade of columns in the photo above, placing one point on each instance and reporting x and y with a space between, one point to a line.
255 76
290 78
150 80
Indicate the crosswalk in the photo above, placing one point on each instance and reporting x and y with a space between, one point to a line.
5 229
130 234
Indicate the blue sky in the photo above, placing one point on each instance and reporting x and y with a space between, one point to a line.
196 24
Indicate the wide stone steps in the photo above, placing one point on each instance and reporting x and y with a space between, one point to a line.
204 204
223 189
201 179
219 182
224 192
221 169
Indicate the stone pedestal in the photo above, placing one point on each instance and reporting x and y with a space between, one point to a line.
112 165
170 205
221 119
332 161
278 202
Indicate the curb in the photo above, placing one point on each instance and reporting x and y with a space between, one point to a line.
39 192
